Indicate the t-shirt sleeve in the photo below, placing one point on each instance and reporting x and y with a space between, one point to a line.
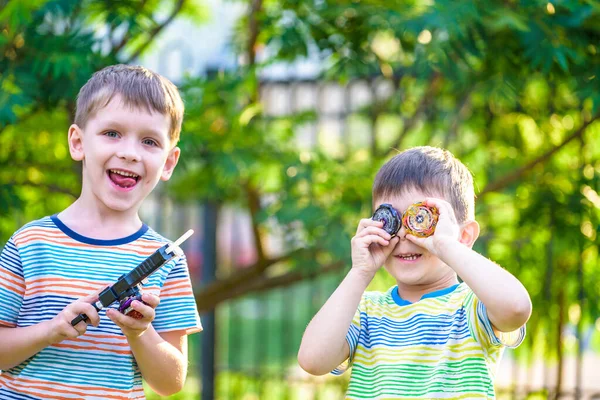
352 337
12 285
177 309
482 330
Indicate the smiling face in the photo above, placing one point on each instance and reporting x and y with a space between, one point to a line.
125 152
408 263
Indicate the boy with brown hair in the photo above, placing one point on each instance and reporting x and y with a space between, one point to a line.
428 336
125 132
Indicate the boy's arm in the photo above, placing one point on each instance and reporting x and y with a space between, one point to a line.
162 358
324 346
505 298
18 344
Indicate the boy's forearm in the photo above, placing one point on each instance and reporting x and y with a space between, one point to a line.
323 343
504 296
18 344
163 366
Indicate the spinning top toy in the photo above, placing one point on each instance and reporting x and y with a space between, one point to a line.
419 220
390 218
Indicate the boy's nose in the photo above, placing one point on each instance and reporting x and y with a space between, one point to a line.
402 233
128 152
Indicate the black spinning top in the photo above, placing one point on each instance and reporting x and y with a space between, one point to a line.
391 220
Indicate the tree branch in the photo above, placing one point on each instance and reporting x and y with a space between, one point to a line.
253 30
460 115
263 283
236 283
267 283
50 187
155 31
254 207
433 88
511 177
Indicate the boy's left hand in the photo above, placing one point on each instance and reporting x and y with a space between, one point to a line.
132 327
447 227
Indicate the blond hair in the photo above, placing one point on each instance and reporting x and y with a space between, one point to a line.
138 87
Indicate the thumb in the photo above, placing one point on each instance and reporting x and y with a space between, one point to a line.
387 250
421 242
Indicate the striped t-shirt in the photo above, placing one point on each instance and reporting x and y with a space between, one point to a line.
442 346
44 267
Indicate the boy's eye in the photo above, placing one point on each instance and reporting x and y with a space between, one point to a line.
111 134
150 142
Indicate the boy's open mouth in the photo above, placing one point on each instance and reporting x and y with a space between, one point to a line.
122 178
409 256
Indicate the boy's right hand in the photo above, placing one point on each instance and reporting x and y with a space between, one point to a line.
60 328
371 246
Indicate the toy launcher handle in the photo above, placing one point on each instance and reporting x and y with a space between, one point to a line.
82 317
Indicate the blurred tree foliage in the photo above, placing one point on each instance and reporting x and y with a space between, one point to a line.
509 87
48 50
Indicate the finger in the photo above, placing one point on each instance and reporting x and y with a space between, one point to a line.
79 307
92 297
116 317
443 206
92 314
78 330
373 230
417 240
151 299
146 311
80 327
370 239
72 333
366 222
124 321
387 250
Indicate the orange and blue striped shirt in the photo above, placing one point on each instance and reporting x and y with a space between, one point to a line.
44 267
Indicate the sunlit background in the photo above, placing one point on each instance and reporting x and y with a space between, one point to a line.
291 107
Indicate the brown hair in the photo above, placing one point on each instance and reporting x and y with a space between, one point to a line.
139 87
433 171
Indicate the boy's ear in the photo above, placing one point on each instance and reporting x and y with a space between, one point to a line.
170 164
469 233
76 143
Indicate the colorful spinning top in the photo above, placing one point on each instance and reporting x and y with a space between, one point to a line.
420 220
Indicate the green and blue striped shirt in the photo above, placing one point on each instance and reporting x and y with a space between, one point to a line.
442 346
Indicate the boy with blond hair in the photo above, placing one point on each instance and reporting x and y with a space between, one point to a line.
126 128
428 336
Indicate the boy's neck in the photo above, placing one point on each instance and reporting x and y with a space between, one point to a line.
99 224
414 293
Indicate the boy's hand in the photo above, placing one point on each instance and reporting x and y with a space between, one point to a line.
133 328
60 328
447 227
371 246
